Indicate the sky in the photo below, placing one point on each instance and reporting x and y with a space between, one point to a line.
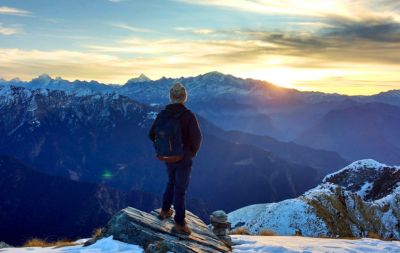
343 46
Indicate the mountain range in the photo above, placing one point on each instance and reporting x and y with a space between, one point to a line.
102 138
261 108
360 131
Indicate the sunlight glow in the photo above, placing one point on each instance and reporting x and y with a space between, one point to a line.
345 46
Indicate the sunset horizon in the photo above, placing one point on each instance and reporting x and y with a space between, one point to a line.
345 47
123 82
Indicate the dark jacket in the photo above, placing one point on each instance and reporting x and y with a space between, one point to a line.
191 134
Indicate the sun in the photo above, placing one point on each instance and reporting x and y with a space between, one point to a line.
277 76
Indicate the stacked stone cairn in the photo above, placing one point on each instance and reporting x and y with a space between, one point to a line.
221 227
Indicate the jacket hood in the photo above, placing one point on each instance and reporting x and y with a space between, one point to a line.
173 109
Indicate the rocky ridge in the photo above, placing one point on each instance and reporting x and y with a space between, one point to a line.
362 199
136 227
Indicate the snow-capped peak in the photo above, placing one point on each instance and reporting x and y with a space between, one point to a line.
357 165
214 75
140 79
43 79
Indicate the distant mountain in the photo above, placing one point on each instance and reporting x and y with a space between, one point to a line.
360 199
140 79
389 97
324 161
232 103
365 130
228 175
38 205
44 81
225 100
103 138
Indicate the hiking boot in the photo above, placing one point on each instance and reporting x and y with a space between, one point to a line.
182 229
165 214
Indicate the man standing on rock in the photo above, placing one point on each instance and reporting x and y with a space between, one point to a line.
176 136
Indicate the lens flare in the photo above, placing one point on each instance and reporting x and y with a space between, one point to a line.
107 174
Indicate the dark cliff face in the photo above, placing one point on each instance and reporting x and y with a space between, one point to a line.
38 205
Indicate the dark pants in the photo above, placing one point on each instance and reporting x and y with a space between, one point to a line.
178 182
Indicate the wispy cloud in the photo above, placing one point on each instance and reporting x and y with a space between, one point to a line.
202 31
11 30
351 9
13 11
132 28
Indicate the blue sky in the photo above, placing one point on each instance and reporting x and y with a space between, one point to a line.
346 46
70 24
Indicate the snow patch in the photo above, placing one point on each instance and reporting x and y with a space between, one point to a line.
244 162
365 189
152 115
284 244
105 245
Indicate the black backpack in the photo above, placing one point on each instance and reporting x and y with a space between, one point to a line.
168 137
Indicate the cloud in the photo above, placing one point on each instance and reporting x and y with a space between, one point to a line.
131 28
15 29
201 31
381 30
287 59
341 41
350 9
291 7
13 11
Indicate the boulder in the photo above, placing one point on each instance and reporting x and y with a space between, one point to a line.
154 235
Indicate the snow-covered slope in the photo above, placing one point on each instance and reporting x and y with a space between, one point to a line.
284 218
243 244
106 245
362 198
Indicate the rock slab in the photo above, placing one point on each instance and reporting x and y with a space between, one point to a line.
154 235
